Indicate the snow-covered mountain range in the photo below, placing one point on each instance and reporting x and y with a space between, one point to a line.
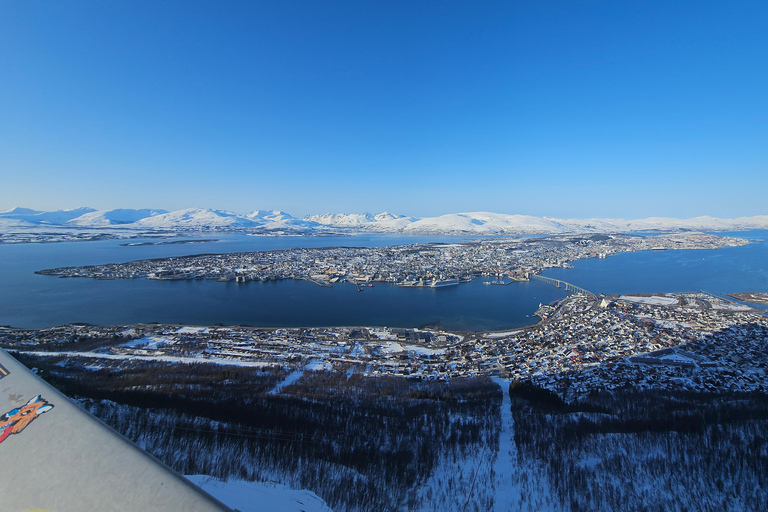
276 222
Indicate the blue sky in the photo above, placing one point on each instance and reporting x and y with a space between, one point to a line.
563 109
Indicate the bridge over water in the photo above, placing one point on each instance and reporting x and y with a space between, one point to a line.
562 284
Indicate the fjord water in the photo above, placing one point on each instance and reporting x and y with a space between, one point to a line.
31 300
718 271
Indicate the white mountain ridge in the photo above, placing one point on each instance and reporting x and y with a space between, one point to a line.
113 217
35 217
466 223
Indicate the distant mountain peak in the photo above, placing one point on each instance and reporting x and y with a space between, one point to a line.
20 211
119 216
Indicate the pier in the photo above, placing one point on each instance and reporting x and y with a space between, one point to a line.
562 284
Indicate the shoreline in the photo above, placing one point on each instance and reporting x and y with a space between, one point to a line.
583 344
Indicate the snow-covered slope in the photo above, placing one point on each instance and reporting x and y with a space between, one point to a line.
269 215
485 223
117 217
279 220
56 218
197 218
705 223
341 219
468 223
18 211
381 222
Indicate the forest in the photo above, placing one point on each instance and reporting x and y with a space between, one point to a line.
392 443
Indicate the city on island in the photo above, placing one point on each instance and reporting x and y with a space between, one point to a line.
432 264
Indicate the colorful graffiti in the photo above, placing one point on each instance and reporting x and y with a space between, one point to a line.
16 420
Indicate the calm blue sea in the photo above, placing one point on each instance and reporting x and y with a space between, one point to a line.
30 300
719 271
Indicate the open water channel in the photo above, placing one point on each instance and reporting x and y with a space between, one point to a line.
31 300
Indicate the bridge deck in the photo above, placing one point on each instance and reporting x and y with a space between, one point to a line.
564 284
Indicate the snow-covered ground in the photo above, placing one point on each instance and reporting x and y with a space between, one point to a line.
382 334
488 476
168 359
423 351
290 379
731 307
315 365
518 485
654 300
507 490
500 334
259 496
149 342
191 330
391 348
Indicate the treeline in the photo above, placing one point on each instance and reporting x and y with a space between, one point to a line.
648 450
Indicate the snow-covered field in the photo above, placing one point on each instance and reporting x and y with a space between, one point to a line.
167 359
500 334
149 342
654 300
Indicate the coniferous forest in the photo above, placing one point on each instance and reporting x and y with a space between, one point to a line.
390 443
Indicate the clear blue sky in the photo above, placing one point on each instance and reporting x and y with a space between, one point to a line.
564 109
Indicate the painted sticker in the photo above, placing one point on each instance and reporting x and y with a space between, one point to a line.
3 371
16 420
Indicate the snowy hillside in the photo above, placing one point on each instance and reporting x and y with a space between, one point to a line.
18 212
196 218
113 217
34 217
383 222
705 223
485 223
279 222
269 215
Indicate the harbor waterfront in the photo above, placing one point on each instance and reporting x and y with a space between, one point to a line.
31 300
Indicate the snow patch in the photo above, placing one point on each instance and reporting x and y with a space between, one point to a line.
423 351
382 334
191 330
257 496
391 348
148 342
654 300
500 334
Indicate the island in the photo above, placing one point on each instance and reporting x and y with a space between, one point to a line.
432 264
